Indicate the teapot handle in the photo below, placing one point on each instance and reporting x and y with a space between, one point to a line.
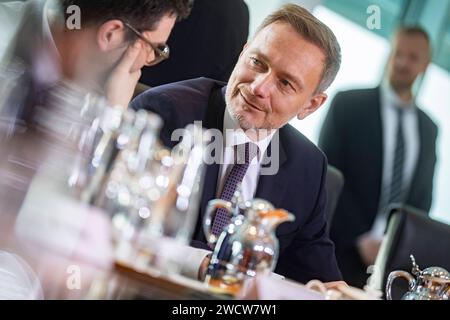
213 205
447 293
395 274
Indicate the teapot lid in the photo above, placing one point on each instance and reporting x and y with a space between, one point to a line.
437 273
432 273
258 205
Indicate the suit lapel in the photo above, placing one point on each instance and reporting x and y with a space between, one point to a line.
213 120
377 143
423 152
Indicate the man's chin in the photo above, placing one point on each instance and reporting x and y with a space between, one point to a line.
401 85
243 121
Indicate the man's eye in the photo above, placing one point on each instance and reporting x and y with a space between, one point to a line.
286 84
256 62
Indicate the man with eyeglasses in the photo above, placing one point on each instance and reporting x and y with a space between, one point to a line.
105 53
160 51
226 34
44 50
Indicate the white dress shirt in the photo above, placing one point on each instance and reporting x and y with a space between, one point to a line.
389 119
233 136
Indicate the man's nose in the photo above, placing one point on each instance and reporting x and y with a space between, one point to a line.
401 62
262 85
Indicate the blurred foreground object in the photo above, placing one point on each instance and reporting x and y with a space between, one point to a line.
157 200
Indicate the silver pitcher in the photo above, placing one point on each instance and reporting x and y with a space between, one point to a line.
248 246
433 283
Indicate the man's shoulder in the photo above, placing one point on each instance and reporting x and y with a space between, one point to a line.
187 92
298 145
359 93
427 122
178 104
352 103
192 87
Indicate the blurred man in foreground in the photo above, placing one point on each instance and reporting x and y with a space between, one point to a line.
52 73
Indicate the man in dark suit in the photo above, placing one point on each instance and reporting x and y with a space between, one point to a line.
385 147
281 73
206 44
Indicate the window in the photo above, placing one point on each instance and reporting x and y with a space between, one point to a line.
356 11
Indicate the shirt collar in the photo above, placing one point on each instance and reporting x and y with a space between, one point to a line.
391 98
234 135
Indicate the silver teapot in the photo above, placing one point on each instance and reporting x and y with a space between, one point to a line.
433 283
246 247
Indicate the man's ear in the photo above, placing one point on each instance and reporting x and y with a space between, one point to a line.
111 35
426 65
312 105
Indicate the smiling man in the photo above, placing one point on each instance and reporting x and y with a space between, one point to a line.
281 74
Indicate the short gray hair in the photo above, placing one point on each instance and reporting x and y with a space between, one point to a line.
314 31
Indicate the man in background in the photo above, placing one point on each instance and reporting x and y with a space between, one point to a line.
384 144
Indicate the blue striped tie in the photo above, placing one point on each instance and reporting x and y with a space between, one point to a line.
397 183
237 173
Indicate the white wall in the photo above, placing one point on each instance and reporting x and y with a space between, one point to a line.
364 55
259 9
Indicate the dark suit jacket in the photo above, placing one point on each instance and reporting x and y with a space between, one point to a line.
206 44
351 138
306 251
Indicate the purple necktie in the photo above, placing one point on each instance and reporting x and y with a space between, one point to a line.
245 154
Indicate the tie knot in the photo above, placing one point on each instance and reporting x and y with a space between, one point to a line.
400 111
246 152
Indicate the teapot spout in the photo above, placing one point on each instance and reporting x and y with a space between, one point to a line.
276 217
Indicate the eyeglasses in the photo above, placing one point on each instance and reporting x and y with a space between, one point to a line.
161 51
